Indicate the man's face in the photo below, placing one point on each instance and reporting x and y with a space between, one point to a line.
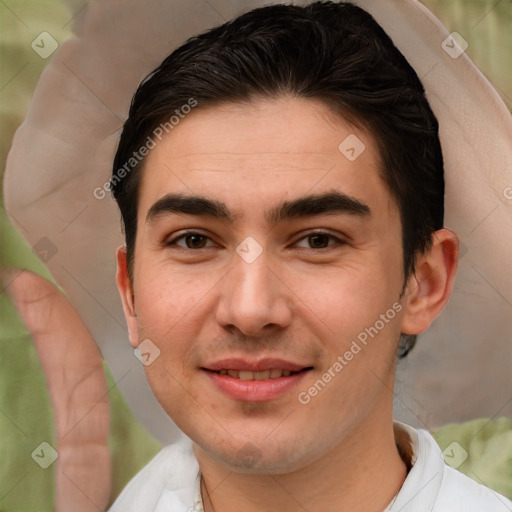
262 288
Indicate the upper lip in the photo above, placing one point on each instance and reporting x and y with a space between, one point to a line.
253 366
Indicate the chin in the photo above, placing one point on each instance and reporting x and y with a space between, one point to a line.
263 456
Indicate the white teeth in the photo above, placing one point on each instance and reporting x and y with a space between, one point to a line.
274 373
262 375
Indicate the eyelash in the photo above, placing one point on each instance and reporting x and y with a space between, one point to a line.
337 241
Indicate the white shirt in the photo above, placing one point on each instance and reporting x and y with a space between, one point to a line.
170 483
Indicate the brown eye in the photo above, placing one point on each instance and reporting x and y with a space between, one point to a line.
190 241
319 240
195 241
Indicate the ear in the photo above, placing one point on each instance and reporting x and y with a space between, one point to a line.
127 297
430 287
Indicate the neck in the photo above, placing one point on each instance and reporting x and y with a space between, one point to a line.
362 473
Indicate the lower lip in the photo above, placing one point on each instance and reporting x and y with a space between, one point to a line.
255 390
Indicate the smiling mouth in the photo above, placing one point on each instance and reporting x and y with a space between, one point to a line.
274 373
255 381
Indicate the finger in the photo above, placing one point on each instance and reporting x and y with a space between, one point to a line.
77 384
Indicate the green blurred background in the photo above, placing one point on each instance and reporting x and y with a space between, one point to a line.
25 413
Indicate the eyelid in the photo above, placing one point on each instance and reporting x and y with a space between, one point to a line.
183 234
337 239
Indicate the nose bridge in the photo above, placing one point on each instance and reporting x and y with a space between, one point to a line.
252 279
254 298
251 266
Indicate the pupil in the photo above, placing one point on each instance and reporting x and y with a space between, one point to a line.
195 241
316 241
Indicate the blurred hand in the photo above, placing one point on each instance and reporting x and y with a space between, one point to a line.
77 384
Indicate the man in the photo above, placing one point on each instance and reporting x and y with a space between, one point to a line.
277 359
283 229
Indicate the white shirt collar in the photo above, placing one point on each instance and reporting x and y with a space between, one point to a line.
171 482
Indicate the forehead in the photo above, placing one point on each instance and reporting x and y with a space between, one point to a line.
255 154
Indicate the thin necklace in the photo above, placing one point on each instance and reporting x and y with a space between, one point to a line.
203 485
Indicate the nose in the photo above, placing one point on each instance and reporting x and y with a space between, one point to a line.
254 298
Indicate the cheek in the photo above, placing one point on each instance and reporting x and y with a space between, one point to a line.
166 293
169 311
348 303
349 293
168 306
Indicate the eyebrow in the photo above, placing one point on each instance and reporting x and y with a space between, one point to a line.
331 203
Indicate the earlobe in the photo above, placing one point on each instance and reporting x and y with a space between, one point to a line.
125 289
430 287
